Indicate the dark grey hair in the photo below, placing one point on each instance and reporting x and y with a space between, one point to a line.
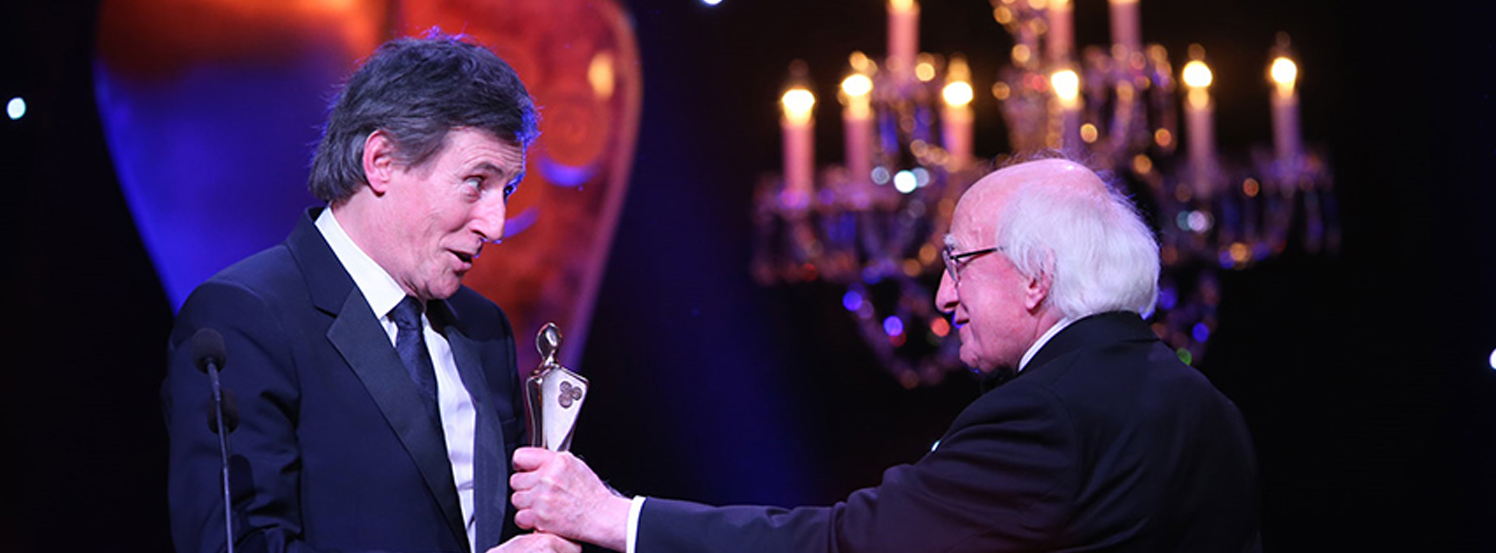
416 90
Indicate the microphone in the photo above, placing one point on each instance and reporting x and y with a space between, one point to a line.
207 349
208 352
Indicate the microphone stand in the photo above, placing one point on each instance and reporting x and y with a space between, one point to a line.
208 350
223 449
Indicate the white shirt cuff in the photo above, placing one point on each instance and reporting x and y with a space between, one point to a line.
631 537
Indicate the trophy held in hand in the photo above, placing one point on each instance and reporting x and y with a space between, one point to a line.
553 395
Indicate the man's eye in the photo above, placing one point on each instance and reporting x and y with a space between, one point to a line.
476 183
509 190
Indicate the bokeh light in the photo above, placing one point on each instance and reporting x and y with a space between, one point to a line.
16 108
1284 72
1066 84
1167 297
958 93
925 69
852 300
1197 74
797 104
1089 133
893 325
905 181
857 84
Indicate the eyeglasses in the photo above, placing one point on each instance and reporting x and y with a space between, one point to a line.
954 261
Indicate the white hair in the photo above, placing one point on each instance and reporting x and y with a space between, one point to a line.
1092 245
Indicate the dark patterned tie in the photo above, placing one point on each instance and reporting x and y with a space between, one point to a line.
410 343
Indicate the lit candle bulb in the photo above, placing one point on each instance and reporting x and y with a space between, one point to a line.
1066 85
1061 42
799 144
1126 30
1198 114
1285 102
956 117
857 124
903 36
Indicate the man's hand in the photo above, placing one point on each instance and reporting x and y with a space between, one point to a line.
537 543
558 494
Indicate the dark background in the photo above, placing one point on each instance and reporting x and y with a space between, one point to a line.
1364 375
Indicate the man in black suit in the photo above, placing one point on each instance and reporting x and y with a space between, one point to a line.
378 397
1097 439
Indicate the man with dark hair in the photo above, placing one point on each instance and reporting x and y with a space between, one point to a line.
1100 439
378 397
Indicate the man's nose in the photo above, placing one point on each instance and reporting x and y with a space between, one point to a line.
488 218
945 297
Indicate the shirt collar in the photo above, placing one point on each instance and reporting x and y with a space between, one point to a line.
1043 339
377 286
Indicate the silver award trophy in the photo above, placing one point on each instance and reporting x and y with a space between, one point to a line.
553 394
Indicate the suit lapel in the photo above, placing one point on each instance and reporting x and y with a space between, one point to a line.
356 334
490 471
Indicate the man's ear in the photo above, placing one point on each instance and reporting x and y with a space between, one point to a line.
1037 290
379 161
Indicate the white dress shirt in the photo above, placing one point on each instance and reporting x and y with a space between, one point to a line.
453 400
1043 339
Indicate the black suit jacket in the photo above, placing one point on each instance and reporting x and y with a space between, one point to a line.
335 449
1106 442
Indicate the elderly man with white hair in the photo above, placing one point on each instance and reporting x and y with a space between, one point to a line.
1096 438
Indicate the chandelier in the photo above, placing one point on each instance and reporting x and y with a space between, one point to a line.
873 226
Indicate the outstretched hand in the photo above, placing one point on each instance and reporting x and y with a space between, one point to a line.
537 543
557 493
